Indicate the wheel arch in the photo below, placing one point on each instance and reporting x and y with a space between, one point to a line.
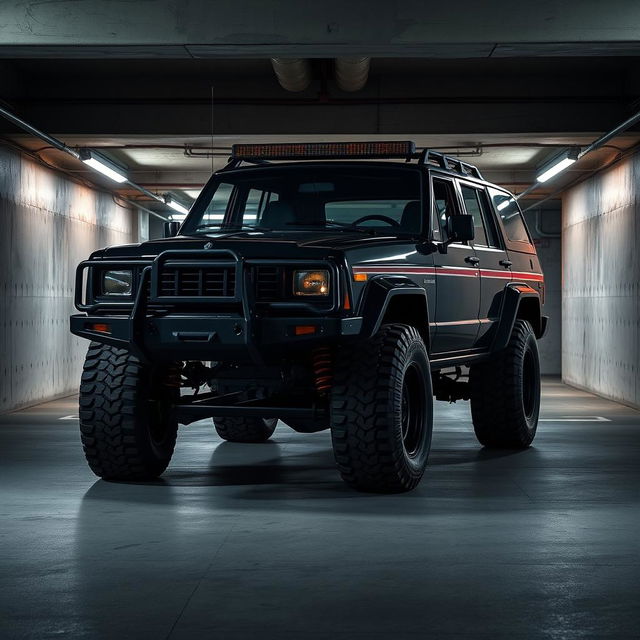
520 302
395 300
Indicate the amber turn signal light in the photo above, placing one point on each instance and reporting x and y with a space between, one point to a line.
305 330
100 327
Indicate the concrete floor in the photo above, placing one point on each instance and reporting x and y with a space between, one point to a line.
264 541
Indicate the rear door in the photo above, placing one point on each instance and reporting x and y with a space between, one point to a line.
494 264
457 278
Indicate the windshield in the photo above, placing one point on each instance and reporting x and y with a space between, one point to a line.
367 199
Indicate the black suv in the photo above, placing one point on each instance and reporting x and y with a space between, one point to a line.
332 291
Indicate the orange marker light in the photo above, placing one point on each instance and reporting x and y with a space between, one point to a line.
305 330
101 328
360 277
347 302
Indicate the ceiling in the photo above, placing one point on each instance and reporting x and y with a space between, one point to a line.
506 115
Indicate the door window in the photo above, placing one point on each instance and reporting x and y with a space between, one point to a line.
475 202
444 203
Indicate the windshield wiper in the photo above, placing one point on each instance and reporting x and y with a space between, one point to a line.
235 227
337 226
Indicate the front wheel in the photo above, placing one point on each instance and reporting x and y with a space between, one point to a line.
505 392
125 423
382 411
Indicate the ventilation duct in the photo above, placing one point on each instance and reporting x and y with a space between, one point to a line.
294 74
352 72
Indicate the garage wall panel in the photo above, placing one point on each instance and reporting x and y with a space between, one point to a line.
601 291
49 224
544 226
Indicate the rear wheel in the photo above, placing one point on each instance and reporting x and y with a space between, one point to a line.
125 423
245 429
505 392
382 411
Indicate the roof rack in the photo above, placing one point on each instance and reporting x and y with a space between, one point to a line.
449 163
234 163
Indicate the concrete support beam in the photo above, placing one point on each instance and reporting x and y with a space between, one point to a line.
201 28
320 118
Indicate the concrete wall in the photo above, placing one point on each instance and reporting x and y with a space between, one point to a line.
601 288
545 224
48 225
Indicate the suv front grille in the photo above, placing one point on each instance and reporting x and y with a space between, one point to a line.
193 282
269 283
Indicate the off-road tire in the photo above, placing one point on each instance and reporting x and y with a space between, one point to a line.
245 429
505 392
125 426
374 380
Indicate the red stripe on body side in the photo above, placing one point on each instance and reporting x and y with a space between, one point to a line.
534 277
450 271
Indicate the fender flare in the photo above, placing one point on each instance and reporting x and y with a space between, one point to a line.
514 294
377 296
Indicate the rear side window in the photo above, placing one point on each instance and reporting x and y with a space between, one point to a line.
509 211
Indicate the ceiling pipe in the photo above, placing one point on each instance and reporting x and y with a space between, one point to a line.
58 144
294 74
596 144
50 140
352 73
602 140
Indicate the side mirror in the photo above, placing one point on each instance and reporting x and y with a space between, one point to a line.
459 229
171 229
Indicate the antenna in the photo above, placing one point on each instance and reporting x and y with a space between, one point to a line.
212 165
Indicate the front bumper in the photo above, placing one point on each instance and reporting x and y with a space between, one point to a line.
202 336
208 333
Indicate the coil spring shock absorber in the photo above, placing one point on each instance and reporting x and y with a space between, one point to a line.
322 369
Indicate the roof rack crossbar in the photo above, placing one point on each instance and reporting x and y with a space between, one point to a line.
449 163
234 163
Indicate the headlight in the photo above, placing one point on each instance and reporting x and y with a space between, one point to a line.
117 283
311 283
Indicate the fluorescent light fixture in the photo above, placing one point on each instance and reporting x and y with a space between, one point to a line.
174 204
504 204
178 217
105 166
558 164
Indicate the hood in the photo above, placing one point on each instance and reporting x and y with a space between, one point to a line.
256 244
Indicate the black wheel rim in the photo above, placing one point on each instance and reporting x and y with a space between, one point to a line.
529 381
413 410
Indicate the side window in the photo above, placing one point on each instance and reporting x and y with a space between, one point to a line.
444 203
476 204
508 209
473 207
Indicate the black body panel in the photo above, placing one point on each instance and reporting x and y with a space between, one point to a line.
207 295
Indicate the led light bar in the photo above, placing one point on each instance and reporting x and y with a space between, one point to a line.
558 164
323 150
103 165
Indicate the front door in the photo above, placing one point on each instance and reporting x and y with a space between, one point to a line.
457 279
494 263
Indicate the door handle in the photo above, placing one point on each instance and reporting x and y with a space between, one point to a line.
505 263
472 260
